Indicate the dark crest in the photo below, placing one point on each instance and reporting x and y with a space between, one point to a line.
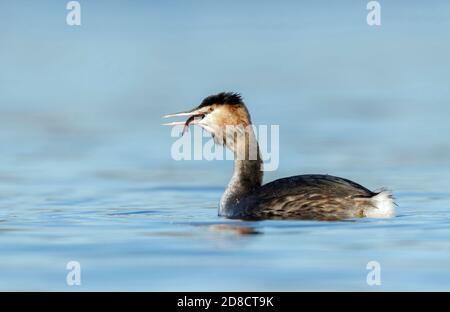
230 98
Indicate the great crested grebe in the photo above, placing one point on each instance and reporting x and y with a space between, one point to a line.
321 197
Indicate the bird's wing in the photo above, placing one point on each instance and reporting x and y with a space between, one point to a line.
308 196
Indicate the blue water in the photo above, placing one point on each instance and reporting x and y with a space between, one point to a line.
85 167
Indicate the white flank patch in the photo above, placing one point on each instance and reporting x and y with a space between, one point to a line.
384 206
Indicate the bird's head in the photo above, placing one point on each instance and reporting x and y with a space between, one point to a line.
217 114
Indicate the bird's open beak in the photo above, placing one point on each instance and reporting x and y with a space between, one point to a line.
195 116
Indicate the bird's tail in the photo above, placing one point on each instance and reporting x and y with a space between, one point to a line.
383 205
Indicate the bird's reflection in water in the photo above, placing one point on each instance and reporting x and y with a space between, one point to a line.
234 229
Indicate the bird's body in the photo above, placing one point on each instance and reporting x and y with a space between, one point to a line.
320 197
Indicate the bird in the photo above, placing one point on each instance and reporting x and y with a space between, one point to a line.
301 197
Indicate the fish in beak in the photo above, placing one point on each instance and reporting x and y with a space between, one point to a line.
195 116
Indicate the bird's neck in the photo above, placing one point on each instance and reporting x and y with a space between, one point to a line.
247 174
